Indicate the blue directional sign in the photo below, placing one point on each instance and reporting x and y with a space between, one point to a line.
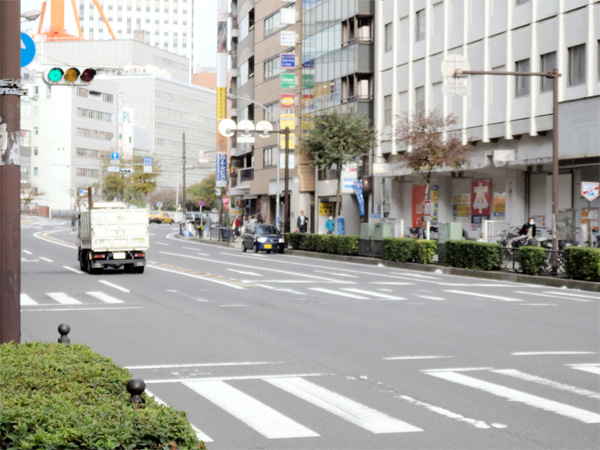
147 161
114 155
288 60
221 170
27 49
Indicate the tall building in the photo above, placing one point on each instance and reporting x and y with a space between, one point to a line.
508 119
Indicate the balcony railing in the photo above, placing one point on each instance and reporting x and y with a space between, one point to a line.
246 174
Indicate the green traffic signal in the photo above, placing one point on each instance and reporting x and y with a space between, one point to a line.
55 74
69 76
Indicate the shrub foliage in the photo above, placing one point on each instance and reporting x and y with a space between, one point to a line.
582 263
473 255
531 259
324 243
54 397
407 250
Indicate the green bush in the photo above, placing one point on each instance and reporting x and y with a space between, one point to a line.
294 240
398 249
346 245
424 251
324 243
54 397
531 259
473 255
582 263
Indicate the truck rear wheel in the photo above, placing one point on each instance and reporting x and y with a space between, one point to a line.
90 265
139 269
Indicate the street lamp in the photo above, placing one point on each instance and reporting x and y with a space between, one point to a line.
30 15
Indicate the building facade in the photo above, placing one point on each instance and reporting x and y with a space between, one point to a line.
507 119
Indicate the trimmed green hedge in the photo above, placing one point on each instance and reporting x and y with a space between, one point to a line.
54 397
324 243
473 255
406 250
582 263
531 259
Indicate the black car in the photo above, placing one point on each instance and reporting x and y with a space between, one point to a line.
261 237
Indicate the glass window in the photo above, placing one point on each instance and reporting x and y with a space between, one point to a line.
389 37
269 157
577 65
420 25
272 67
547 63
522 83
387 110
522 2
420 98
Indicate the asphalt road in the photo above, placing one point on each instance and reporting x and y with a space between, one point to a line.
282 351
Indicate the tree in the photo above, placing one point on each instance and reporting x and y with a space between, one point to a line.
205 192
433 143
336 139
131 187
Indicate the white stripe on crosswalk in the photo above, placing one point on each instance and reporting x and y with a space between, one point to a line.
343 407
591 368
546 382
104 297
374 294
63 299
255 414
519 396
492 297
341 294
26 300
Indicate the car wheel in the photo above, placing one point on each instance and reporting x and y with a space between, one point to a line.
255 248
280 250
244 248
268 252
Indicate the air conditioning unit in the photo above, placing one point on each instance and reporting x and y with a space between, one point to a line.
363 89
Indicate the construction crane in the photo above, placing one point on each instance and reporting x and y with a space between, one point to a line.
57 32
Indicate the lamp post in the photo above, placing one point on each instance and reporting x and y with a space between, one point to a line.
277 182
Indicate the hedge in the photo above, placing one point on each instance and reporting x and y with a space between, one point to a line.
473 255
582 263
324 243
531 259
406 250
54 397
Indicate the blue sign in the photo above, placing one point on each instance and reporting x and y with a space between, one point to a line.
341 227
114 156
359 196
288 60
148 162
221 179
27 49
159 205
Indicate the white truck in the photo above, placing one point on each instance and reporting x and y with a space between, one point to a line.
112 234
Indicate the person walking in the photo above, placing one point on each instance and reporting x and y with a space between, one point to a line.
207 224
330 225
302 222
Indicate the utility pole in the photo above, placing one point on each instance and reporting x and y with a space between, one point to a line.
10 171
183 170
286 176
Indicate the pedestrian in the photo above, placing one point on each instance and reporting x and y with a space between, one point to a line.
302 222
207 224
528 232
259 218
330 225
236 226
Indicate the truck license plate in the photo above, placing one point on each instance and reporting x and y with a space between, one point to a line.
119 255
268 246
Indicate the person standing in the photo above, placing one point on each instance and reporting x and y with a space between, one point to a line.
302 222
330 225
207 224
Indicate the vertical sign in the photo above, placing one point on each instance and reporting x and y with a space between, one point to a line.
499 206
147 164
288 81
481 203
221 178
288 60
359 196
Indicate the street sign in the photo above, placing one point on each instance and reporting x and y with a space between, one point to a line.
200 203
287 38
454 85
590 190
114 155
288 81
27 49
147 161
159 205
28 76
427 209
288 60
113 169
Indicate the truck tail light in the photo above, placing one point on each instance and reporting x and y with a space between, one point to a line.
99 256
140 255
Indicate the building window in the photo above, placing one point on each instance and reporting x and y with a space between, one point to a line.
547 63
389 37
269 157
35 151
387 110
577 65
522 83
419 98
272 67
420 26
522 2
597 58
35 171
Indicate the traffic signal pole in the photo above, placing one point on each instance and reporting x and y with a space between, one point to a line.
10 171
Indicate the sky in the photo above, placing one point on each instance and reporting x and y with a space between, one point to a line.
205 32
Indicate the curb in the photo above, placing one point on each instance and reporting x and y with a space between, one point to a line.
499 276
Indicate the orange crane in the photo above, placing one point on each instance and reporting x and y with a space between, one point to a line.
57 21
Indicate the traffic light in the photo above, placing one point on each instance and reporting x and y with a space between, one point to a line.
127 170
69 76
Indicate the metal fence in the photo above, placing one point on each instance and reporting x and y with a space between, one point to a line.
492 230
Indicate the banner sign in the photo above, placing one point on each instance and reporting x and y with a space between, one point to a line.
359 196
291 141
288 81
221 179
590 190
481 201
288 101
287 38
288 60
287 121
499 205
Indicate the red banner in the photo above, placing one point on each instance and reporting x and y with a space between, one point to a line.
418 196
481 203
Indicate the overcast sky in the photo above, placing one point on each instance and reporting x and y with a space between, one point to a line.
205 32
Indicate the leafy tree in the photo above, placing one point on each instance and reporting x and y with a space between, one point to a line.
131 187
205 192
433 142
335 139
166 196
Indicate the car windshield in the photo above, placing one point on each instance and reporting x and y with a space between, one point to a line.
266 229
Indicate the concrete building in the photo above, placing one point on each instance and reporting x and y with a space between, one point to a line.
508 119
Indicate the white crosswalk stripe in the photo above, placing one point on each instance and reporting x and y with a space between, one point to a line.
62 298
544 381
591 368
26 300
379 295
104 297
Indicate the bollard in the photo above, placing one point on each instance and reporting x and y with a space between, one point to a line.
136 387
64 329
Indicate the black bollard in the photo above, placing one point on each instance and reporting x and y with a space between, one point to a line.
64 329
136 388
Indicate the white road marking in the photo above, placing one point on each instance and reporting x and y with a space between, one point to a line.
236 378
63 299
177 366
416 275
343 407
492 297
578 296
591 368
336 274
229 306
224 283
458 369
393 283
108 283
538 304
282 281
46 259
27 252
26 300
546 382
106 308
255 414
551 353
104 297
536 294
452 415
519 396
245 273
393 358
199 434
374 294
430 297
72 269
161 243
341 294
